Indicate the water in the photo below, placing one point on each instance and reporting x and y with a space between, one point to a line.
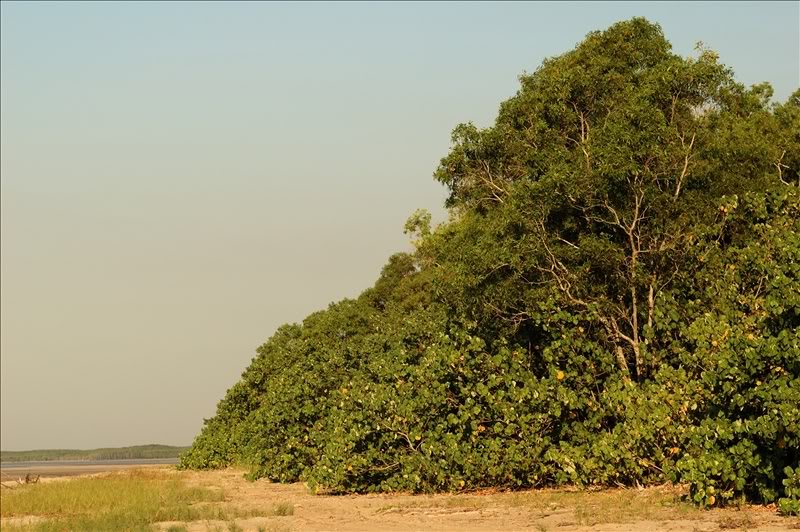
11 471
132 462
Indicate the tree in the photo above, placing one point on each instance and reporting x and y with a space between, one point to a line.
596 174
615 300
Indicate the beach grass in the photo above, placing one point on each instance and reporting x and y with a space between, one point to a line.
130 501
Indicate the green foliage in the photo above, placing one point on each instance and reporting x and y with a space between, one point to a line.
615 300
790 505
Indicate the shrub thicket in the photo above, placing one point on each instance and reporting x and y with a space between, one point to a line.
615 300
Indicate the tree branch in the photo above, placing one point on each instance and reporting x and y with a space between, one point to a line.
686 159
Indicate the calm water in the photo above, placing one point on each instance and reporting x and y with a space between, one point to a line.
11 471
55 463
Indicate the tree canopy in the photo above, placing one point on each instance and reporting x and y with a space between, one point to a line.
615 300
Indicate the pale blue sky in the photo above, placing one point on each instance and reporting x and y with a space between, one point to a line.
179 179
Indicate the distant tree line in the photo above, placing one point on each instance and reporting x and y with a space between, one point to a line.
136 452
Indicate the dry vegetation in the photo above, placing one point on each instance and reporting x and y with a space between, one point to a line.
169 500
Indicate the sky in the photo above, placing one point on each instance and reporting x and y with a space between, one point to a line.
179 179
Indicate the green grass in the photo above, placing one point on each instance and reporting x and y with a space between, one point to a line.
136 452
132 501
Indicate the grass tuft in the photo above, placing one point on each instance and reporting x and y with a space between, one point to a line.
283 508
738 522
129 501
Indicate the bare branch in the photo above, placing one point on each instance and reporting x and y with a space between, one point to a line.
489 180
568 243
685 167
651 303
780 166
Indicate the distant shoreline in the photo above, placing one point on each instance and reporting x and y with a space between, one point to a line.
135 452
13 471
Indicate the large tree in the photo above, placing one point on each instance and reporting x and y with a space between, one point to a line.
597 174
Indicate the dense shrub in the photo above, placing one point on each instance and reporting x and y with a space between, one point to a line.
790 505
615 301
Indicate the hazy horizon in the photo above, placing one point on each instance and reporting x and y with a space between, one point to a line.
177 180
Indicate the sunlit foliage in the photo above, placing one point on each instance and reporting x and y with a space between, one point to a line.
615 300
